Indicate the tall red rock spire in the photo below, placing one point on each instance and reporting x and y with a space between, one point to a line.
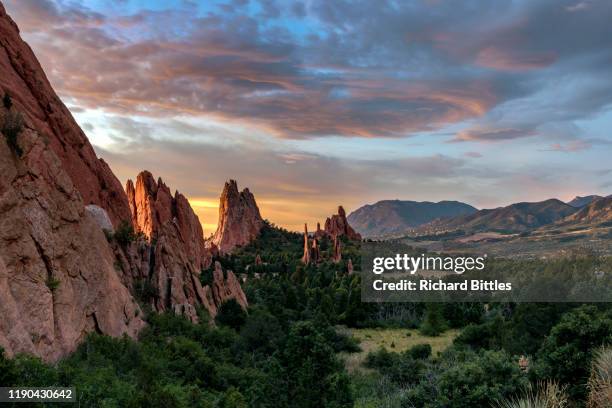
239 219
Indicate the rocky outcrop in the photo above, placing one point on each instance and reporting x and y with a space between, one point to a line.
154 210
337 250
170 258
312 252
57 275
22 77
239 219
225 287
171 253
337 225
101 217
306 255
349 267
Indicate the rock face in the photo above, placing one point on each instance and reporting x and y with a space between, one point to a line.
239 218
224 288
101 217
172 256
337 225
22 77
57 275
171 253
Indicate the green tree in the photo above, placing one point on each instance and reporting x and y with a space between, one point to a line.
315 377
231 314
566 353
433 323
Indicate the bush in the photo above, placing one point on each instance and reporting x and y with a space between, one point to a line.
53 283
380 359
566 354
124 234
434 323
420 351
12 125
231 314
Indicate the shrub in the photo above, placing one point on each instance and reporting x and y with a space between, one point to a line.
434 323
600 382
380 359
548 395
124 234
231 314
566 354
420 351
53 283
12 125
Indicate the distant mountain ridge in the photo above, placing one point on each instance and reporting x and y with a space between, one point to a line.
580 202
514 218
389 217
599 211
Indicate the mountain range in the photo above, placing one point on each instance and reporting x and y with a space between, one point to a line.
390 217
395 217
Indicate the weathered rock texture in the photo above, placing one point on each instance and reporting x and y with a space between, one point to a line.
337 225
239 218
57 275
172 254
225 288
23 78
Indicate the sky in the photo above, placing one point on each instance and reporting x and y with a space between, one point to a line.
319 103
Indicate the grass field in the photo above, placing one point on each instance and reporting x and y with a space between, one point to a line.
393 340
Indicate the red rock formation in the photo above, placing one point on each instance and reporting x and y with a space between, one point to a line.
226 288
258 260
176 253
337 225
349 267
23 78
319 233
57 275
337 254
306 256
315 254
239 218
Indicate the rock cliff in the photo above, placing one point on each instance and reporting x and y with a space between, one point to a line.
57 275
70 263
22 77
170 254
239 218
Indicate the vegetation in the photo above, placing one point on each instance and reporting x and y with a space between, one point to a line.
307 340
124 234
11 126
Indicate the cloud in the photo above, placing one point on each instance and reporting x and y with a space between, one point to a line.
578 145
491 135
360 70
474 155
